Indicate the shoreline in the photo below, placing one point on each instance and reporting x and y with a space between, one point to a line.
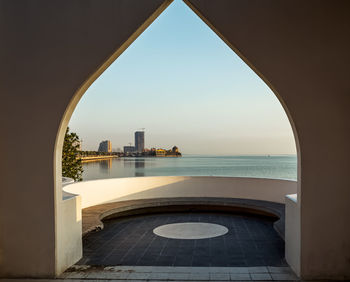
97 158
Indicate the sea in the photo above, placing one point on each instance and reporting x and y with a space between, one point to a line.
273 167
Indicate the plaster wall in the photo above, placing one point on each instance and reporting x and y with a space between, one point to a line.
97 192
50 52
301 50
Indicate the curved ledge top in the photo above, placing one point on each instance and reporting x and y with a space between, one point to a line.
103 191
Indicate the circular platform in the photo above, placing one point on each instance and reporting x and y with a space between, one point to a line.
250 241
190 230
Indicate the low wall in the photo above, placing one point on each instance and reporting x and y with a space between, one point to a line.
292 231
112 191
69 248
97 192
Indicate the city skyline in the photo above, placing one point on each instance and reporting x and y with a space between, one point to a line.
182 83
132 145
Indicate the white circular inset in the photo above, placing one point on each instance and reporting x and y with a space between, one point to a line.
190 230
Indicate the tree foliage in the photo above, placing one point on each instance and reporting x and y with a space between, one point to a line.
71 162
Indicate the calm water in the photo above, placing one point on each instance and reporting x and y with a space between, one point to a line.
278 167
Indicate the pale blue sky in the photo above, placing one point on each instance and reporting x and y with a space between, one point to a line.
182 83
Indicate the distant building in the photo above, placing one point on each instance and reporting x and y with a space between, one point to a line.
105 146
129 149
160 152
139 141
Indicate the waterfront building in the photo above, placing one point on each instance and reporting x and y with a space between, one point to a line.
160 153
105 146
129 149
139 141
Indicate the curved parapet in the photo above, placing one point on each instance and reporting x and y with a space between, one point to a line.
126 196
102 191
67 180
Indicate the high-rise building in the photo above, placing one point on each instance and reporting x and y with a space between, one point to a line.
105 146
139 141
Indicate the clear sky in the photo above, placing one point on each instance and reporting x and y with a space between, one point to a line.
182 83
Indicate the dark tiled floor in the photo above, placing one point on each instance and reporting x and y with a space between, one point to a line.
251 241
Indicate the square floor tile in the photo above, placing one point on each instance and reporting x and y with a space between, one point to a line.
283 276
258 269
220 276
199 276
240 276
261 276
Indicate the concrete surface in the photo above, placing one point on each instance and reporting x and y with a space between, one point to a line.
50 49
250 241
186 273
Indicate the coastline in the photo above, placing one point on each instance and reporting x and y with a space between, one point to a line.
96 158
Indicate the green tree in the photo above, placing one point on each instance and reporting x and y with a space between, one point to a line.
71 163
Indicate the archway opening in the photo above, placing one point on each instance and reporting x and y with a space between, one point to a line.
189 90
207 88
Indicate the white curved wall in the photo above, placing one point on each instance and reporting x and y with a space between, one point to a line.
292 232
70 247
120 189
